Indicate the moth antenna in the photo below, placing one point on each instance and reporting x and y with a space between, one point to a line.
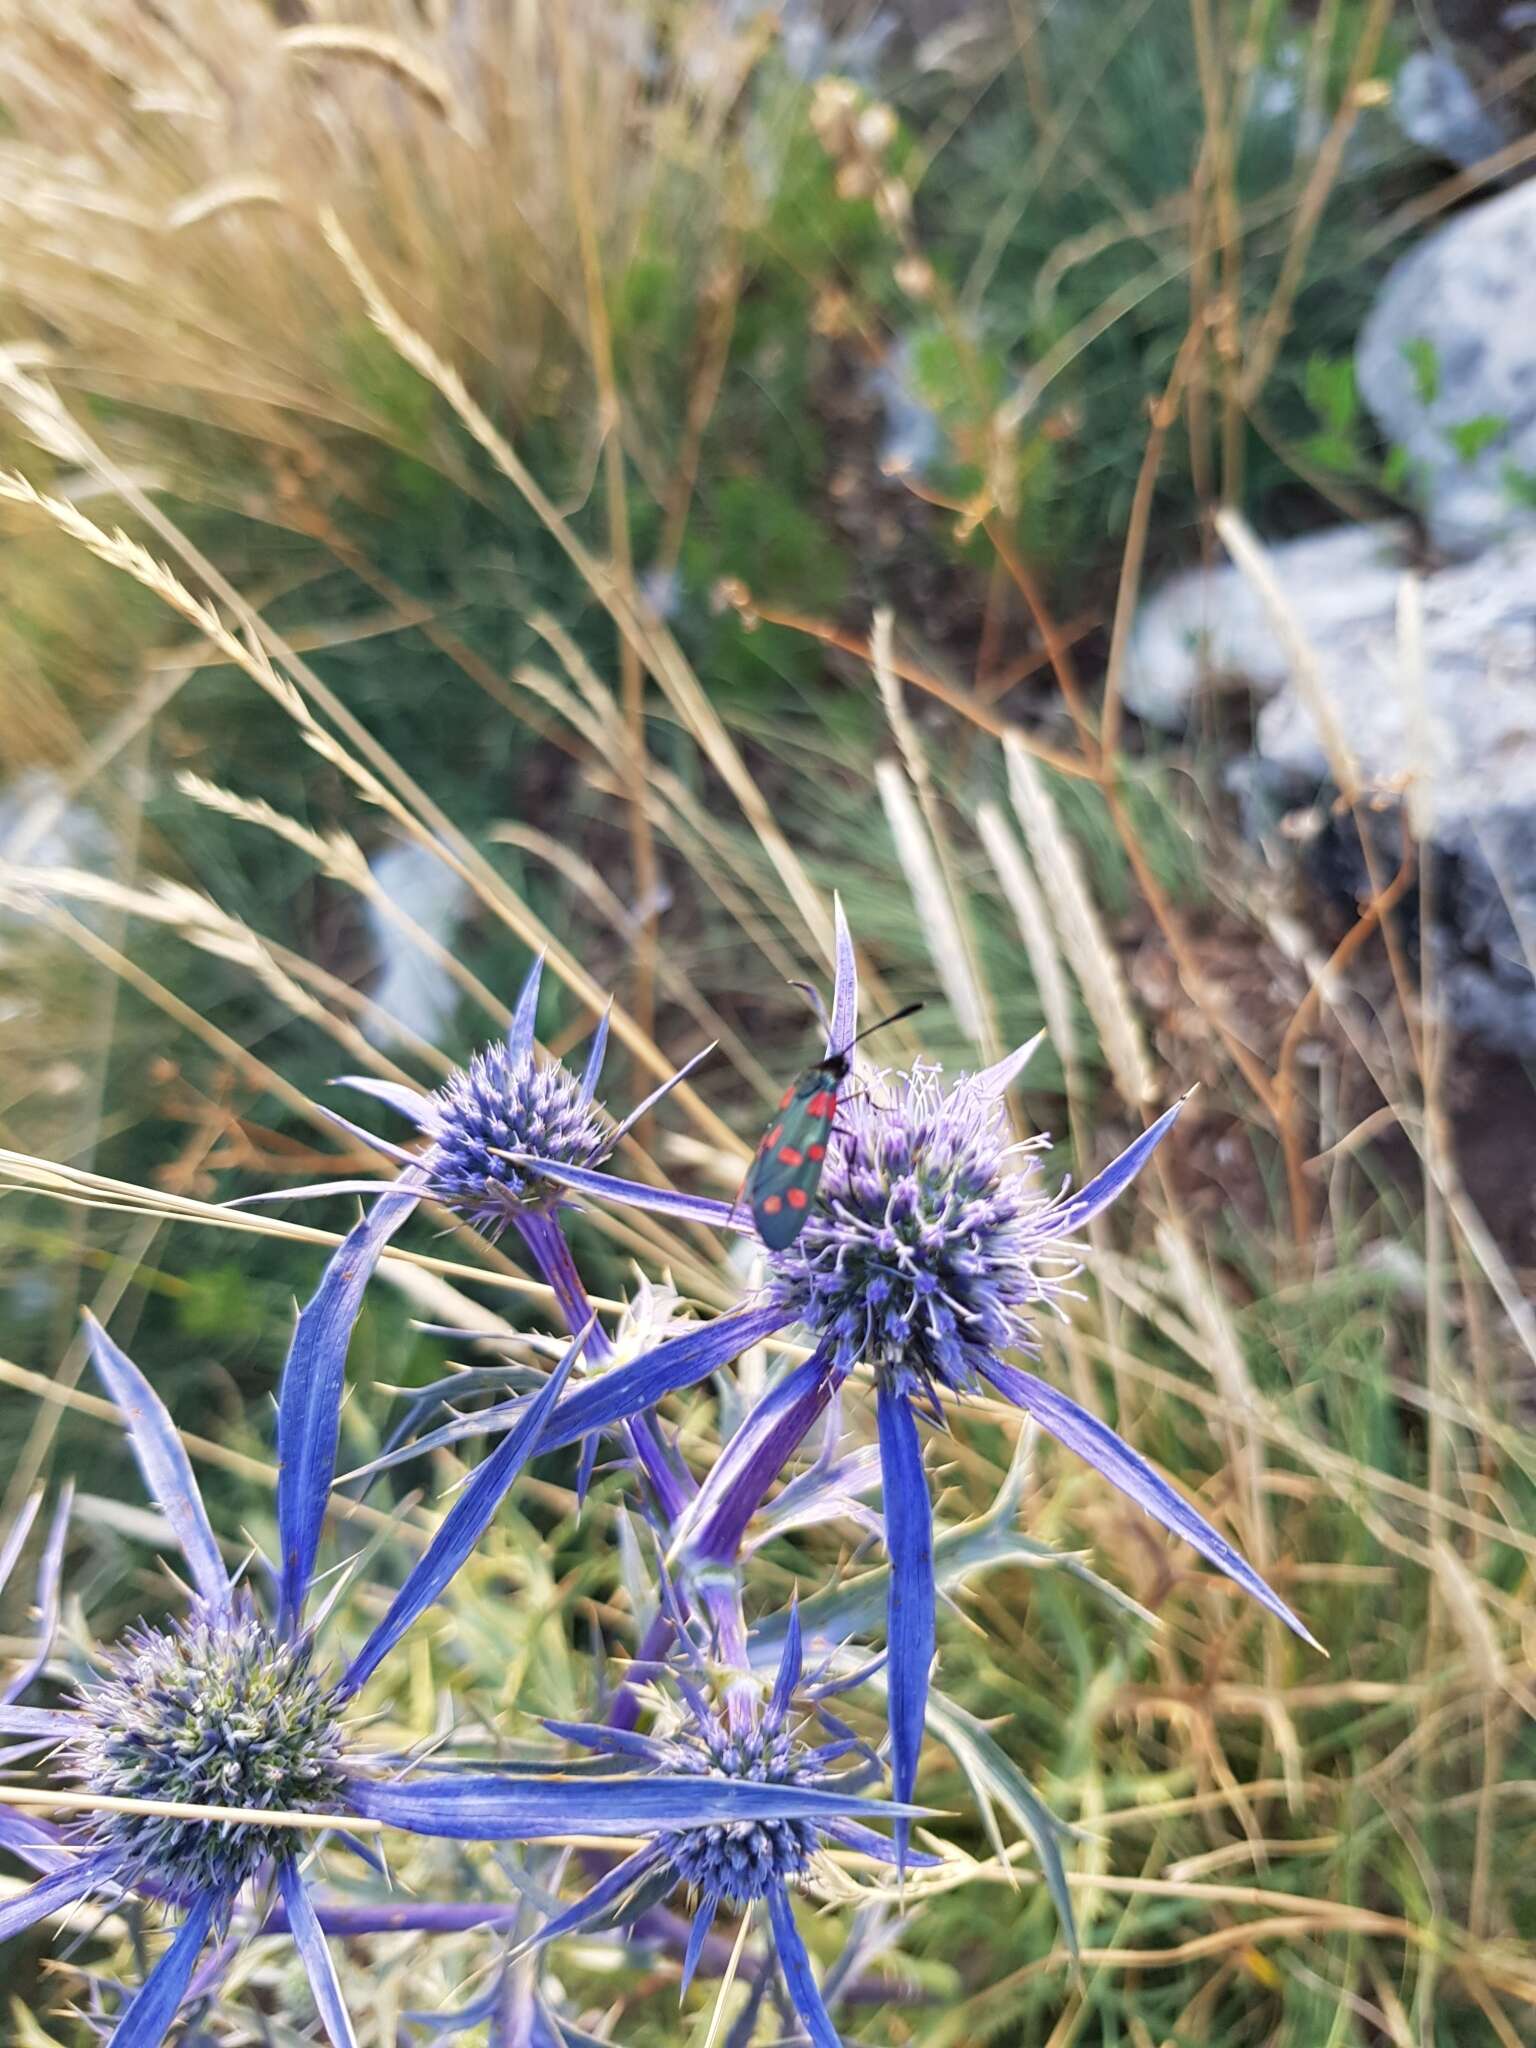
895 1017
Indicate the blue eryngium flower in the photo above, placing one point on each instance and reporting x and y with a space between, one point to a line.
736 1865
497 1133
929 1254
494 1124
227 1708
231 1709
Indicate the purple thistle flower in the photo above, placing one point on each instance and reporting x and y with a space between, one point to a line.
226 1709
925 1255
736 1865
931 1251
500 1133
500 1107
495 1126
215 1711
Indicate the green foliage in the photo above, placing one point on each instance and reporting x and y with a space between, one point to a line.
220 1301
1423 358
1332 392
1072 237
1470 437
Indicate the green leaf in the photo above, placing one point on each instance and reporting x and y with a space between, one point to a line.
1397 470
1519 484
1470 437
1423 358
1332 451
1331 391
992 1539
996 1781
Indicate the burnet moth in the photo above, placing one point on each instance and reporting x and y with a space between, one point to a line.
785 1173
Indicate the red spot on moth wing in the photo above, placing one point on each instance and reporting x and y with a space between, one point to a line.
773 1205
772 1138
816 1152
797 1198
788 1156
822 1104
786 1098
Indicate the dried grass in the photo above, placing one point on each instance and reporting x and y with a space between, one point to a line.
1079 929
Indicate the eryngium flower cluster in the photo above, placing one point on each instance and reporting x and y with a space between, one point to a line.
926 1258
745 1862
212 1712
736 1862
504 1104
927 1254
924 1253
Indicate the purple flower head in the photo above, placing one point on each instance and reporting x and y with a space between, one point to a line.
495 1125
925 1254
216 1711
746 1862
228 1709
736 1862
505 1103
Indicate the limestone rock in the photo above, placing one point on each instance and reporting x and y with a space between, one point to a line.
1447 364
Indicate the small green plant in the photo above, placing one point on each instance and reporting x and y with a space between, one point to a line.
1423 358
1470 437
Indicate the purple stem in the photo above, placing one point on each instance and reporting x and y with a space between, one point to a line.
624 1709
739 1480
546 1243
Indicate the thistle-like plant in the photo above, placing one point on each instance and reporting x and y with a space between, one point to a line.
498 1133
231 1716
750 1866
929 1255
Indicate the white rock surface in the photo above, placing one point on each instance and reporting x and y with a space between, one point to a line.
1438 107
1465 299
1465 739
1463 743
1210 627
1457 740
414 988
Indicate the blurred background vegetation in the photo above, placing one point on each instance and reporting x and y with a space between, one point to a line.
567 388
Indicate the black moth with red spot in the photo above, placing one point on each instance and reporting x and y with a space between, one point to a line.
784 1175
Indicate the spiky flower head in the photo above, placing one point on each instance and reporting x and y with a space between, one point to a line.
769 1801
217 1711
500 1125
732 1863
489 1116
932 1246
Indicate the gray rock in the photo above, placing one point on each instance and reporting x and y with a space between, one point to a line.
1464 745
1460 746
1209 628
1446 361
1486 935
1437 106
414 988
1457 745
913 440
